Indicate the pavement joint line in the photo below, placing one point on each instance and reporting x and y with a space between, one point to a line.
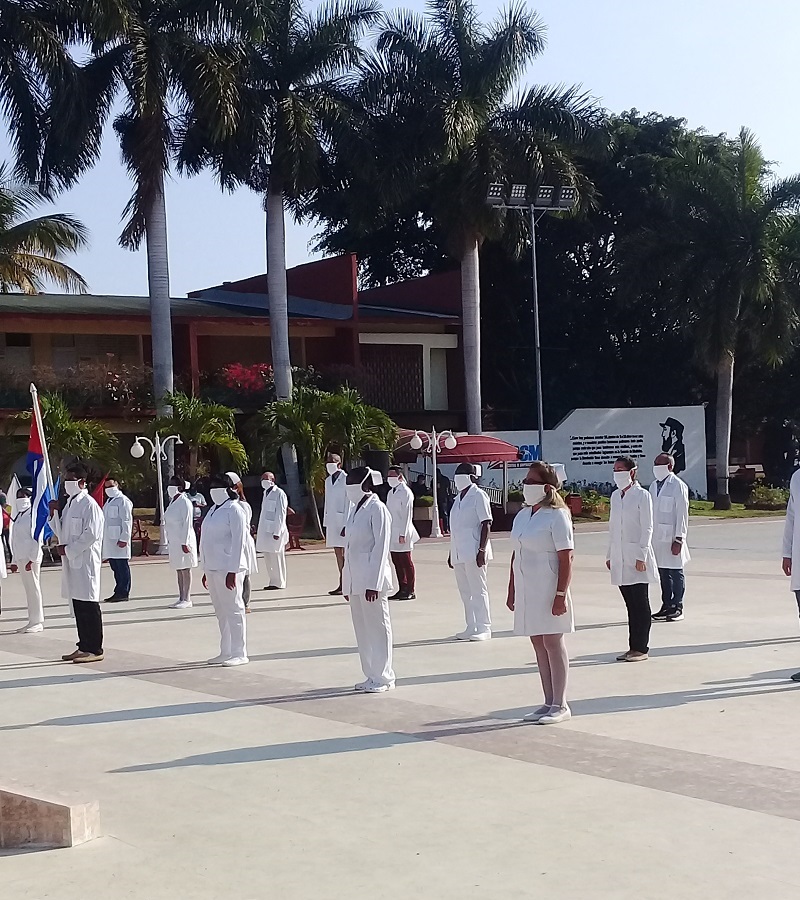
763 789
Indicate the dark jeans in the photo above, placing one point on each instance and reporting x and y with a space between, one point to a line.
673 587
122 576
89 619
638 602
406 575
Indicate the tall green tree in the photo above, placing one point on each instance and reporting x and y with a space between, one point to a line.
32 249
728 251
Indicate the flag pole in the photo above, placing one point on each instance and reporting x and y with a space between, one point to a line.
37 414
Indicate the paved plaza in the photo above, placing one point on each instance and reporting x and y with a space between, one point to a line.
676 778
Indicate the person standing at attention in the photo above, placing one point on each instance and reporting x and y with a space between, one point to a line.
181 539
337 510
367 579
630 557
670 498
117 532
470 551
198 502
252 556
80 534
538 586
224 558
26 558
791 543
400 503
273 535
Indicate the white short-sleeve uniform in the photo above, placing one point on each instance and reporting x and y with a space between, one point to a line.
117 526
670 521
467 515
337 509
25 548
366 568
273 535
250 544
536 538
630 536
791 531
179 523
400 503
223 549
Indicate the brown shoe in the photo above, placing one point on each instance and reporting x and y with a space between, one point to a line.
88 657
68 657
635 656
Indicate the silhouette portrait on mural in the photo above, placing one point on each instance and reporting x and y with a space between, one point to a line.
672 442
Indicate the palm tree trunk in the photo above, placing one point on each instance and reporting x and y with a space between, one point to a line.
194 457
279 323
471 334
312 502
724 416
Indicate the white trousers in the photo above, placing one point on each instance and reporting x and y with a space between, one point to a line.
373 629
276 568
229 607
33 593
474 590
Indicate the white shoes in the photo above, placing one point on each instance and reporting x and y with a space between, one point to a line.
465 635
537 714
557 714
31 629
216 661
371 687
236 661
481 636
181 604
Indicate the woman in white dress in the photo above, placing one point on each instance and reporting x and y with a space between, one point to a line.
223 556
181 539
538 587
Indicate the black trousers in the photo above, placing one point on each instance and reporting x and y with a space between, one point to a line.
638 602
89 619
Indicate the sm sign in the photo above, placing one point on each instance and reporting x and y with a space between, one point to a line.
529 453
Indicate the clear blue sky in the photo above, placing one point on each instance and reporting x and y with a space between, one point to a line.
720 64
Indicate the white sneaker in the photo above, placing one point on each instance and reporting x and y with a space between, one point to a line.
537 714
481 636
31 629
216 661
465 635
557 714
362 685
373 688
181 604
236 661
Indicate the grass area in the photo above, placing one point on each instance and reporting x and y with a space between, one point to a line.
738 511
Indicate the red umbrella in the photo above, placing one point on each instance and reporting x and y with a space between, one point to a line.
471 448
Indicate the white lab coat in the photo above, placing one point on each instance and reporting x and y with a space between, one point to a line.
250 544
400 503
223 539
81 534
467 515
670 521
179 524
272 521
536 539
630 537
791 531
117 526
337 509
25 549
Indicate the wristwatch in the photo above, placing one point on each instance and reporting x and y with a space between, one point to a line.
561 593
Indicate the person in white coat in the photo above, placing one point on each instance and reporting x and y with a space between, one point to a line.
252 556
117 534
367 579
80 534
538 586
470 551
630 556
336 513
26 558
400 503
181 539
791 543
224 558
272 535
670 498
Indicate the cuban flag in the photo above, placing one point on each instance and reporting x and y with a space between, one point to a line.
41 492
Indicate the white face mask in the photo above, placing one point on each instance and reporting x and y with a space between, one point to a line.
266 484
72 488
660 472
622 479
462 482
23 504
354 492
332 467
393 481
219 496
112 492
172 491
533 493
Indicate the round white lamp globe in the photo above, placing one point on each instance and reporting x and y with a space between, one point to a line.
450 442
137 450
416 442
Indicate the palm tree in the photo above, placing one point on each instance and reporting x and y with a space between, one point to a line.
727 254
443 121
31 250
164 58
202 426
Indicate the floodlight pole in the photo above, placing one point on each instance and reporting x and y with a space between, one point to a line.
537 336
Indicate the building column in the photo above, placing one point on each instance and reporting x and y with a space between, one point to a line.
194 365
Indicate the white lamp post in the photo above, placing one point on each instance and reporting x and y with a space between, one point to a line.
158 454
432 443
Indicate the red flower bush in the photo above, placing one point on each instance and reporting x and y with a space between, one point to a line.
253 379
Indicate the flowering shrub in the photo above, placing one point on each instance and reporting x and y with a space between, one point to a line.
253 379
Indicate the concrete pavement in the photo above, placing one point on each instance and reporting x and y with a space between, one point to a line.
678 777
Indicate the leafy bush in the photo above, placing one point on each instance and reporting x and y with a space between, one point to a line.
515 495
764 497
424 501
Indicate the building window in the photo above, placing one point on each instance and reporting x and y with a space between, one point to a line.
395 381
18 340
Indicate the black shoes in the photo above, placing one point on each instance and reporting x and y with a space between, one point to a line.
661 615
675 614
335 593
115 599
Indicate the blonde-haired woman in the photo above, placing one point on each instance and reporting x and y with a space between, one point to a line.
538 587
